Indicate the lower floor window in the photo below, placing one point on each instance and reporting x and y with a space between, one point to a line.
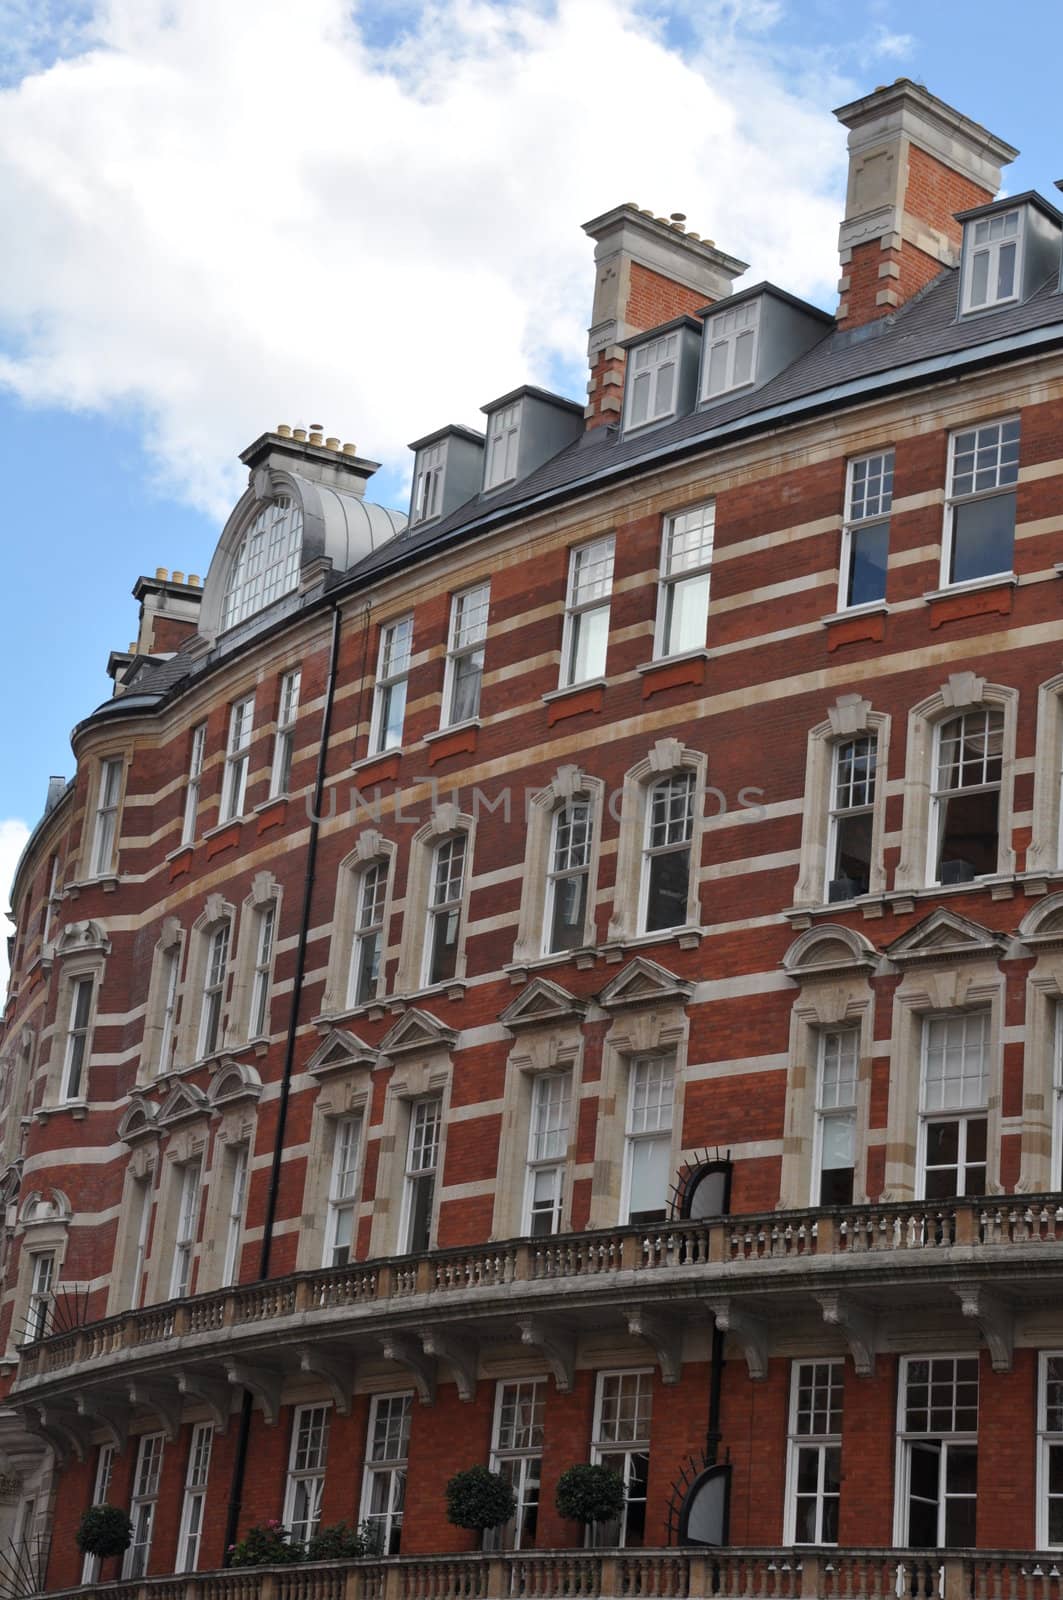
387 1455
955 1156
195 1501
142 1507
306 1471
622 1411
938 1445
814 1453
517 1457
1050 1452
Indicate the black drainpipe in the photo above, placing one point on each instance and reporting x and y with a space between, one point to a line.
236 1489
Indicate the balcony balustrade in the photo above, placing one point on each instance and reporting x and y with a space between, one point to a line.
731 1574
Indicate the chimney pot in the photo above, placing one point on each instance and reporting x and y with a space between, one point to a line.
178 577
299 433
350 449
283 430
332 444
162 573
194 579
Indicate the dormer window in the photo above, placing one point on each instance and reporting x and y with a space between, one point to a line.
992 268
266 563
731 348
428 483
652 384
503 435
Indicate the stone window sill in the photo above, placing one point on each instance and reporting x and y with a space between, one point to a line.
872 608
687 938
573 688
999 580
677 660
469 725
77 1109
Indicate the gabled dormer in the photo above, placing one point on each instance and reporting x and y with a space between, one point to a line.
1010 247
753 336
661 374
447 471
525 428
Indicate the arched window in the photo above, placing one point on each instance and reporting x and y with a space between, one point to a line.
266 563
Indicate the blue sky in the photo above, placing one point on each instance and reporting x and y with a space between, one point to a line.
223 214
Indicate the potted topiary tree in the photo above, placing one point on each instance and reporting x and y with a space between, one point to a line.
338 1542
591 1495
104 1531
266 1544
479 1500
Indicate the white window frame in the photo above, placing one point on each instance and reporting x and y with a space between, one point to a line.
646 364
549 1131
519 1464
906 1439
280 780
189 1194
1048 1440
101 1488
588 597
262 976
964 1111
830 1107
866 506
1057 1095
570 858
171 973
992 247
51 901
688 779
345 1174
861 795
237 758
446 900
1005 483
501 459
105 823
418 1170
43 1276
146 1478
940 796
368 941
819 1441
723 332
211 1033
239 1167
78 1039
430 465
145 1189
687 543
641 1128
465 640
390 1468
267 561
305 1486
194 783
392 678
197 1475
637 1445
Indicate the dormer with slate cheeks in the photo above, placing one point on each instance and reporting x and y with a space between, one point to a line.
753 337
447 471
1010 248
661 374
525 428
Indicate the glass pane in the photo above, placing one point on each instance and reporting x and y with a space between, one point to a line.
969 836
869 550
852 854
392 715
666 901
590 640
686 614
717 368
744 357
980 278
836 1186
569 912
838 1141
983 537
650 1179
444 954
465 690
1006 272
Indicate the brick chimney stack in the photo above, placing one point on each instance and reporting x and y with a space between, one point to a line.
647 270
913 163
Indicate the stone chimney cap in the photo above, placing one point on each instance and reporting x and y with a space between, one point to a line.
661 229
904 93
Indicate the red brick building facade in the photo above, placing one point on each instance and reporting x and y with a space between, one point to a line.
575 975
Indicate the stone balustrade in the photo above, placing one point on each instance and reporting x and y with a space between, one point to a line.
673 1574
737 1251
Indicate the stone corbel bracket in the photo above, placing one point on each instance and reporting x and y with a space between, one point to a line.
750 1330
263 1382
214 1393
338 1375
995 1319
61 1432
109 1412
665 1336
459 1356
421 1367
556 1344
858 1326
164 1401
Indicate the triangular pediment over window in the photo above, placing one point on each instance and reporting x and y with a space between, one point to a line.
339 1051
945 936
183 1101
232 1081
139 1121
643 983
540 1003
417 1030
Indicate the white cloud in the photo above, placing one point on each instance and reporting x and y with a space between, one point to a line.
227 216
13 836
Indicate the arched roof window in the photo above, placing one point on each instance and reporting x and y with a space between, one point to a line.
266 563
